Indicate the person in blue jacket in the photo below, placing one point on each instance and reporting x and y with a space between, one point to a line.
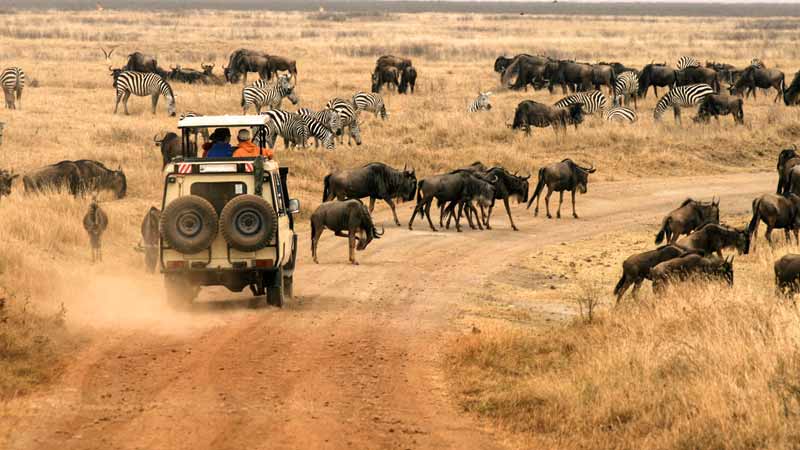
221 147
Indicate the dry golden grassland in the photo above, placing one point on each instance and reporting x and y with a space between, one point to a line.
44 253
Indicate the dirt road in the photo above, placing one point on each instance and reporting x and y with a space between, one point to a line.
353 362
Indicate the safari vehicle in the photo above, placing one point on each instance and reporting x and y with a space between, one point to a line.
226 221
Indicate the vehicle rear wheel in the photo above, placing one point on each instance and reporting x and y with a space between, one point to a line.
275 294
248 223
189 224
180 292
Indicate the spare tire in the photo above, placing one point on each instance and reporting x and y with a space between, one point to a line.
248 223
189 224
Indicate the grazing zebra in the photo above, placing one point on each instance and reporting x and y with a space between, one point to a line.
481 103
621 114
687 61
372 102
348 115
290 126
269 96
627 87
142 84
682 97
319 131
327 117
757 63
592 101
13 80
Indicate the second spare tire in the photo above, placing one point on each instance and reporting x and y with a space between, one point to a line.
189 224
248 223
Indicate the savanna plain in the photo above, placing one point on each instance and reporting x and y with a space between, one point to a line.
493 339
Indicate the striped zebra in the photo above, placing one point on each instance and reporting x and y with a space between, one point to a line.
327 117
626 88
290 126
682 97
757 63
142 84
13 80
320 132
372 102
269 96
620 114
687 61
348 115
593 101
481 103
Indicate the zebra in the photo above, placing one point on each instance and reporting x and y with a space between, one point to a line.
142 84
687 61
327 117
13 80
682 97
372 102
319 131
481 103
626 87
270 96
620 114
592 101
292 127
348 114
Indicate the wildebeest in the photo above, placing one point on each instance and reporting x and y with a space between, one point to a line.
408 80
636 268
242 61
6 179
753 77
277 63
171 147
478 188
95 223
501 63
604 75
787 160
791 95
713 237
691 267
150 238
507 185
190 76
394 61
694 75
78 177
787 274
560 177
656 75
716 105
619 67
374 180
139 62
453 188
576 76
526 68
350 216
385 75
777 212
725 71
688 217
530 113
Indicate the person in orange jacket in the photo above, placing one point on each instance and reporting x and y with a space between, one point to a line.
247 149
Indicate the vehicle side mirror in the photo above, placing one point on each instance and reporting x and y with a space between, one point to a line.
294 206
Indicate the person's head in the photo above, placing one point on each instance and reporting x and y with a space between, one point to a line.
244 135
221 135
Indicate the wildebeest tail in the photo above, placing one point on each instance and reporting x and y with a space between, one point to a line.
313 231
664 231
326 187
620 284
419 191
539 187
756 216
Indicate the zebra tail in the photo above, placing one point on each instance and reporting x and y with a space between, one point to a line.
539 187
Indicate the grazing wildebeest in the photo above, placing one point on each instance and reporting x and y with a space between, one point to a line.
604 75
6 178
787 274
150 238
526 68
636 268
560 177
688 217
530 113
139 62
753 77
279 63
576 76
656 75
713 237
95 223
502 63
374 180
694 75
777 212
691 267
78 177
453 187
408 80
791 95
385 75
242 61
507 185
394 61
716 105
349 216
787 160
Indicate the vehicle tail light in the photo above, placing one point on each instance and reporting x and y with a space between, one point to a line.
262 263
176 265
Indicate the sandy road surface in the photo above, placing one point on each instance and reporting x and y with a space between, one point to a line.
353 362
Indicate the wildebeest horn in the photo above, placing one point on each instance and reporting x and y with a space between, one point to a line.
794 147
526 177
110 69
590 169
378 235
157 140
